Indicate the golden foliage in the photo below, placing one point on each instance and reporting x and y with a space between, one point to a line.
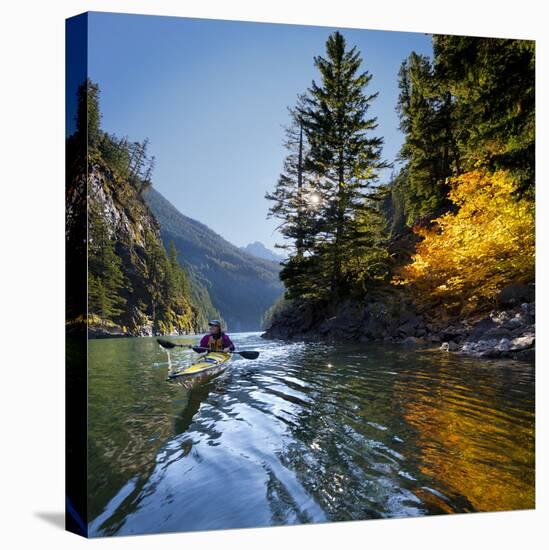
466 257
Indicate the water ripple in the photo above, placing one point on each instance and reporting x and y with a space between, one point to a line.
307 433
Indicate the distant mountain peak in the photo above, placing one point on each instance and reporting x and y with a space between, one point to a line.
259 250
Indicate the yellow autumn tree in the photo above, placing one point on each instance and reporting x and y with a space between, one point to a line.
466 257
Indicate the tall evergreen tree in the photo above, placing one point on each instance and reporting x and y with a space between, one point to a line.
293 197
428 149
106 279
147 177
88 116
115 153
329 213
159 285
492 82
344 157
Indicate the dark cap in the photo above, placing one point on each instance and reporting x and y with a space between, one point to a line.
214 323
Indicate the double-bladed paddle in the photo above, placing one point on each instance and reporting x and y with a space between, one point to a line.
170 345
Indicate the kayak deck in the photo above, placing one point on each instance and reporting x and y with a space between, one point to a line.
208 363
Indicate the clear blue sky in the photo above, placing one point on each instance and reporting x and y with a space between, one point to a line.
212 97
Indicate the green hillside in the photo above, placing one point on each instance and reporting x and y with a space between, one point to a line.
242 287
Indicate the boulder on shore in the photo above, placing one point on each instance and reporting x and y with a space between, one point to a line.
449 346
496 337
413 341
515 295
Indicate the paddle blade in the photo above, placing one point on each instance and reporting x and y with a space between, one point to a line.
166 343
249 354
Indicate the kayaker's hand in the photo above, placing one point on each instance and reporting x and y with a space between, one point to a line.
226 350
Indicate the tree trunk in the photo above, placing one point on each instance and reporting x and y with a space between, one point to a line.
299 241
336 269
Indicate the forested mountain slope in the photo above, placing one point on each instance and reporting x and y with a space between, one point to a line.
242 287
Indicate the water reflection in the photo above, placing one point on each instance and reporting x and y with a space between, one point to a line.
475 442
307 433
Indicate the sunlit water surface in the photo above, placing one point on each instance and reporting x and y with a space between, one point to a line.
306 433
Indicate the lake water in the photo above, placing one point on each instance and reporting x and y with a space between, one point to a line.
307 433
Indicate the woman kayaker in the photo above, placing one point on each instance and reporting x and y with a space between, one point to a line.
216 340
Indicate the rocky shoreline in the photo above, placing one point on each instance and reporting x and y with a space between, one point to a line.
98 332
508 331
505 334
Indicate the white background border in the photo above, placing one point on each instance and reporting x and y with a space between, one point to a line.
32 270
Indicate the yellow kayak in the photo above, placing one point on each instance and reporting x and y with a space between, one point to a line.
210 363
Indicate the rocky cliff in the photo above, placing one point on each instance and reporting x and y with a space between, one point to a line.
132 227
134 287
